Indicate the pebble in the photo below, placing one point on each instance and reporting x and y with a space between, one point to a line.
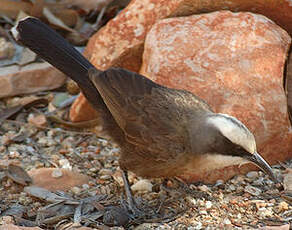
44 141
105 172
226 221
14 154
142 185
220 184
265 212
85 186
283 206
252 174
76 190
208 204
258 182
198 226
204 188
252 190
105 177
65 164
232 187
57 173
203 212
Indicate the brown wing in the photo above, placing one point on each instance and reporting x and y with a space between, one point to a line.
153 117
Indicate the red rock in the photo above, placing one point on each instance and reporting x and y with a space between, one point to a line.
121 41
235 62
15 80
81 110
57 179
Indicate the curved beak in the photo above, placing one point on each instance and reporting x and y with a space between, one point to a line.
261 163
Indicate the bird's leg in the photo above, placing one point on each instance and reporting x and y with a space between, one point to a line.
130 198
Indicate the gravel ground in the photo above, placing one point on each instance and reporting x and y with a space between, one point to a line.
244 202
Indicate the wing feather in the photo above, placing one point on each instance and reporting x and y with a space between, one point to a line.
153 117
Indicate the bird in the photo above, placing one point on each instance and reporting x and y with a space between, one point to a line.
160 130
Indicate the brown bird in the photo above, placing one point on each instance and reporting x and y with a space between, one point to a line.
160 130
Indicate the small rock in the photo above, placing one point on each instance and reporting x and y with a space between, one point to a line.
65 164
118 177
252 190
198 226
220 184
203 212
6 49
7 220
252 175
204 188
76 190
44 178
72 87
265 212
142 185
35 77
105 177
283 206
59 99
57 173
258 182
208 204
85 186
105 172
14 154
226 221
232 187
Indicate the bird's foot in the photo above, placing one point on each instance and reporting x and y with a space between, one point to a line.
132 204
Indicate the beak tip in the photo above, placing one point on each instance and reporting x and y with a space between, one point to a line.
261 163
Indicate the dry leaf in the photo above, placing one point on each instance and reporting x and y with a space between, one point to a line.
88 5
54 20
18 175
12 111
44 194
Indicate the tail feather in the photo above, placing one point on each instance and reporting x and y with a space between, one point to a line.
53 48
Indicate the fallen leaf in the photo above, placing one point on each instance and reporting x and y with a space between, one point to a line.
54 20
18 175
14 110
88 5
44 194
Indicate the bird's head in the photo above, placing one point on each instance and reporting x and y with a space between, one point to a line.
224 135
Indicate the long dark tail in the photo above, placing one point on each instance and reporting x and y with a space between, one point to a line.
53 48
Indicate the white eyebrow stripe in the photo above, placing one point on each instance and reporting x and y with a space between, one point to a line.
234 130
